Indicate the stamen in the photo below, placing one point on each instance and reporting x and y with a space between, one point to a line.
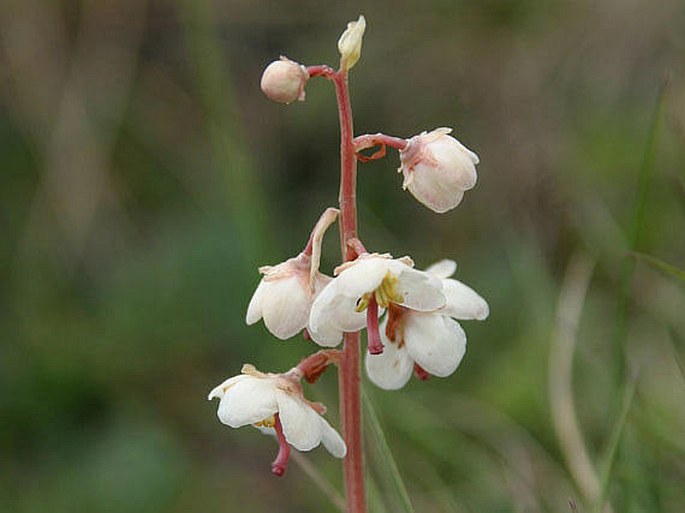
362 303
421 373
373 335
281 462
266 423
394 328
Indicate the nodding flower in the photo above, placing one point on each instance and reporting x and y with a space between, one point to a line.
438 169
285 294
274 404
428 343
362 287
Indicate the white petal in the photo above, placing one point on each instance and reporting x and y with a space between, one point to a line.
463 302
332 313
442 269
220 390
332 440
285 305
324 333
431 190
392 368
248 401
437 343
254 309
421 291
365 275
457 162
301 424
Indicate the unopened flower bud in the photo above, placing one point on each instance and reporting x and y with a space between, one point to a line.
350 43
438 169
283 81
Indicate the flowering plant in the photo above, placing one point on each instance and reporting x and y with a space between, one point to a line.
409 314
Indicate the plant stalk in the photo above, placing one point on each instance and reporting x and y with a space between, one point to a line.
349 377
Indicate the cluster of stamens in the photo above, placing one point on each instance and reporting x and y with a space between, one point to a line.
385 295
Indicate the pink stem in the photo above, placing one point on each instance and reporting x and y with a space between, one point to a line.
366 141
281 462
374 337
349 378
321 71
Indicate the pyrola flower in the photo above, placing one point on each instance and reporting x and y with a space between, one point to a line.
274 403
284 296
426 342
438 169
283 81
370 282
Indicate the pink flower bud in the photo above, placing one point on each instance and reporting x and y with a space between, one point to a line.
438 169
283 81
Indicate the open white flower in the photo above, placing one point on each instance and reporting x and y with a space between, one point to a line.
438 169
367 283
274 404
426 341
285 295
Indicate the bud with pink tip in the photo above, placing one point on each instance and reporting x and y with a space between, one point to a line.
283 81
438 169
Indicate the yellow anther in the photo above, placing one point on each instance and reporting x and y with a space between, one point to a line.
363 303
381 295
266 423
389 285
385 294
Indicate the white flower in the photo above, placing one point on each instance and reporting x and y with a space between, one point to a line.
433 341
350 43
438 169
283 81
284 296
257 398
369 282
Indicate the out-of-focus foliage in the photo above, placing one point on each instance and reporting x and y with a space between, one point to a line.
144 177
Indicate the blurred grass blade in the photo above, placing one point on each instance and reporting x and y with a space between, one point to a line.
661 265
319 480
635 230
615 439
381 445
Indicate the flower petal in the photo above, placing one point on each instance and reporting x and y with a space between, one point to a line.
392 368
332 440
301 424
420 290
463 302
220 390
254 309
285 305
365 275
332 313
437 195
437 343
442 269
248 401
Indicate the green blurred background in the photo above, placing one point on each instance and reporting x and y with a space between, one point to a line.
144 177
